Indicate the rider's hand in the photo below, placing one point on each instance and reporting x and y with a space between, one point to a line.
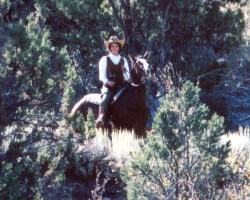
111 83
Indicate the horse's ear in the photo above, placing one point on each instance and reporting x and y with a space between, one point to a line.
132 58
145 55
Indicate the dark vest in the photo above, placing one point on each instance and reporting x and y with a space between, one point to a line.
114 72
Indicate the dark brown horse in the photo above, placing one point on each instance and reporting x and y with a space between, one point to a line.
129 111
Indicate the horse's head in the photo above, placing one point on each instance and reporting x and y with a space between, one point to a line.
140 69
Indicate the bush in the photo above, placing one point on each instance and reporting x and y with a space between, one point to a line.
182 158
86 127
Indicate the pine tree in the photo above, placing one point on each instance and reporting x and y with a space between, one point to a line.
90 127
183 158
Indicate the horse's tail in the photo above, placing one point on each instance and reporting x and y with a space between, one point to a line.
77 106
90 98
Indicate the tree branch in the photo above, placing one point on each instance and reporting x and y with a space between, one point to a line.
115 11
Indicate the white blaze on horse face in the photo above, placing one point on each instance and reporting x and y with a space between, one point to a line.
145 65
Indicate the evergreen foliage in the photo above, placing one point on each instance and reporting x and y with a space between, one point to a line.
90 125
78 124
183 157
49 52
86 127
19 169
187 35
42 40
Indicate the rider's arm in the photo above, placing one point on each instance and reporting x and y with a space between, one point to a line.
103 70
126 73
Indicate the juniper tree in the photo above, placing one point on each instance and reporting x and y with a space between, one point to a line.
182 158
43 41
71 79
31 77
188 35
90 127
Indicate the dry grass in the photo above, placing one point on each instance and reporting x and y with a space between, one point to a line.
239 160
122 145
240 140
125 143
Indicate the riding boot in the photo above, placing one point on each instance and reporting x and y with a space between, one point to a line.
100 120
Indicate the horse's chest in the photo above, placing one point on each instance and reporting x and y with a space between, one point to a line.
130 111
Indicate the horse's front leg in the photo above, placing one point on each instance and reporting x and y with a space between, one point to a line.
140 126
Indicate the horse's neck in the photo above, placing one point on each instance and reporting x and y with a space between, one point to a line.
137 93
139 89
134 98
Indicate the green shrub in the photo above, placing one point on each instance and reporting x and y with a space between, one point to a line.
90 127
86 127
182 158
19 172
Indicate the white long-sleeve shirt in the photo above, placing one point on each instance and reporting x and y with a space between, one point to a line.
115 60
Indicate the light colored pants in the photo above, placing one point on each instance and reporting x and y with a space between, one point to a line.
107 94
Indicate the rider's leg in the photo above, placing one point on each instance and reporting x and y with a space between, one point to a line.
100 120
106 97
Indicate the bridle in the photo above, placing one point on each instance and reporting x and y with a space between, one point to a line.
138 70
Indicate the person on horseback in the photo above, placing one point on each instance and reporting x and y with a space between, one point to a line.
113 72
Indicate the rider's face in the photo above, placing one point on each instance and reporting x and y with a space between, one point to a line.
114 48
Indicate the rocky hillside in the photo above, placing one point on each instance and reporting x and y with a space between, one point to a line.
238 92
233 93
231 97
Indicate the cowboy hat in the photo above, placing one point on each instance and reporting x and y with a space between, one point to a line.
114 39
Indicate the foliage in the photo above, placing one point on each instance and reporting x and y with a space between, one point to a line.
42 40
71 80
49 52
86 127
33 72
19 170
183 158
17 180
78 124
34 161
188 35
78 26
90 125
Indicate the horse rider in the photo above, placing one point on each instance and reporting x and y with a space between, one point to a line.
113 72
